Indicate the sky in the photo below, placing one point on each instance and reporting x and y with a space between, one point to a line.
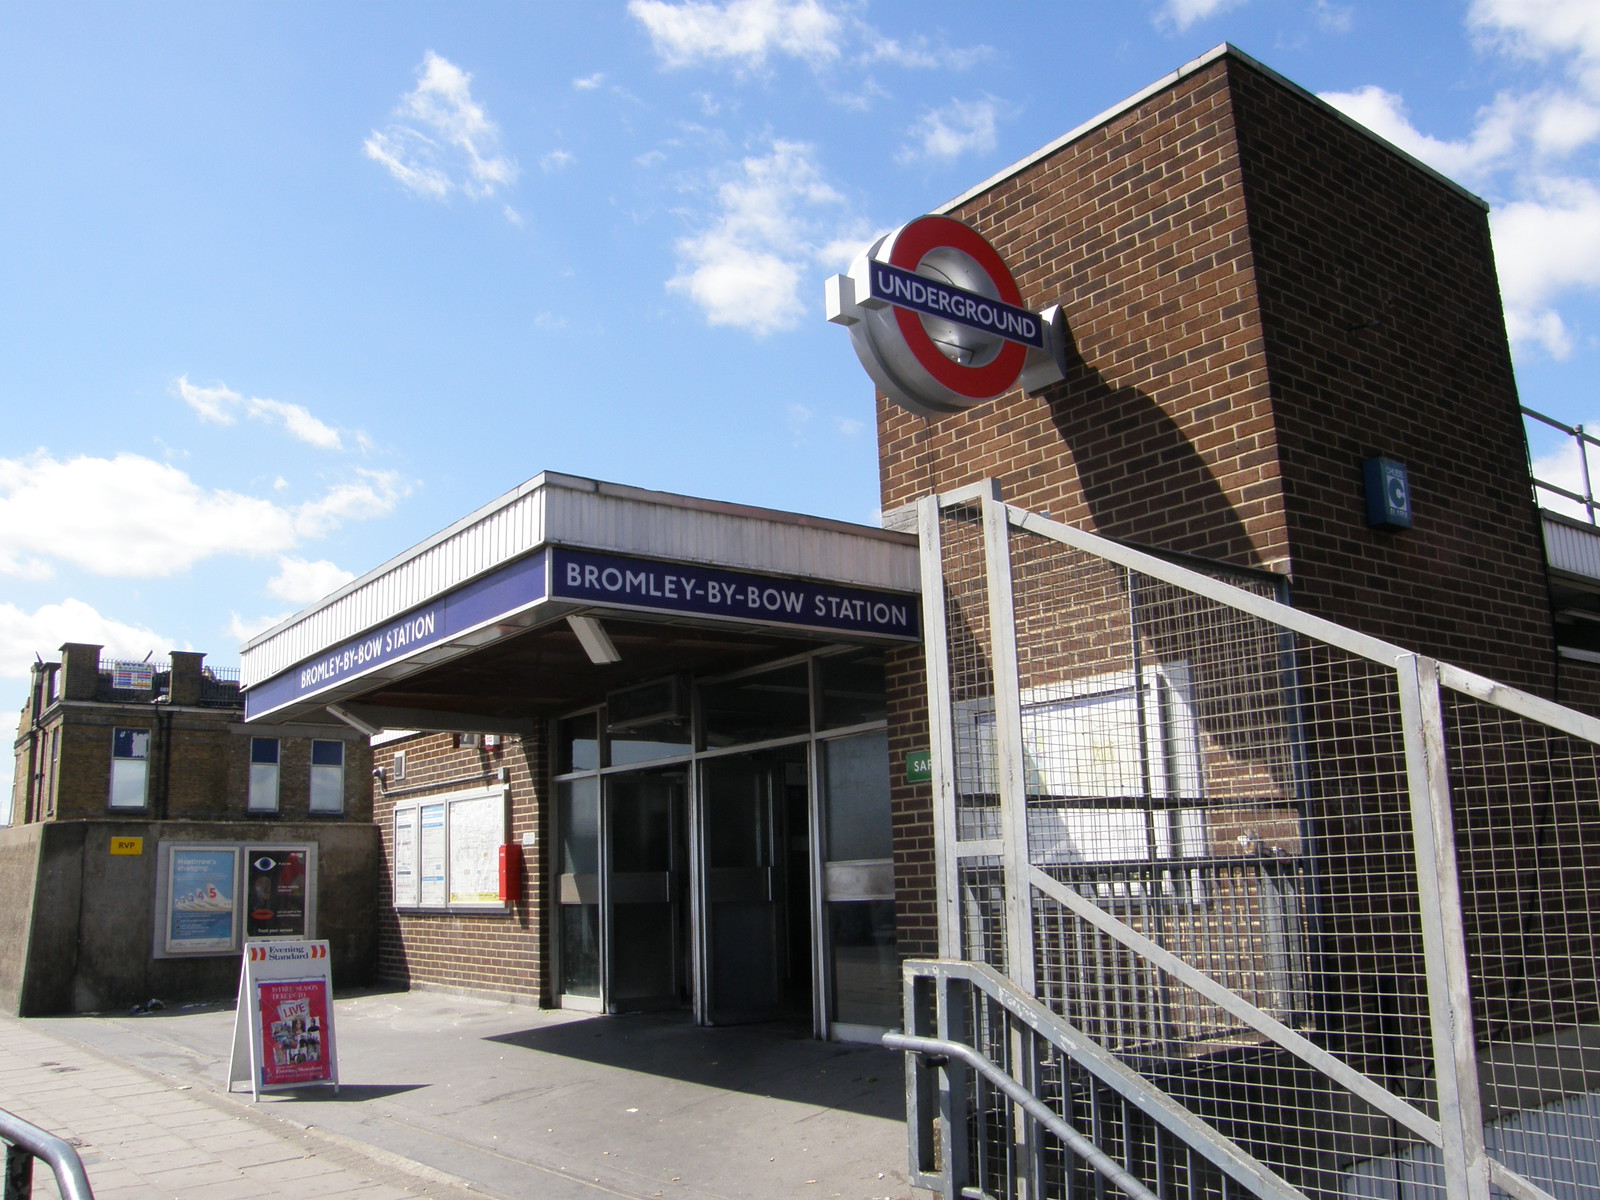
289 287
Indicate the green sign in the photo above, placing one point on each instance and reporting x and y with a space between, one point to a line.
919 766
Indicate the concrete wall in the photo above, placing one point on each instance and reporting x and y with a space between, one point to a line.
77 923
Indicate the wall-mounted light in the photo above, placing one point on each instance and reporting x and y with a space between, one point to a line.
594 639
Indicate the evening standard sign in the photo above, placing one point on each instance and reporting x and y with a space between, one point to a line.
620 582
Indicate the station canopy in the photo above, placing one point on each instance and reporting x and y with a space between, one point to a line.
567 589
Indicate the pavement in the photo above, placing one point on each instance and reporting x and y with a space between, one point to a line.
455 1097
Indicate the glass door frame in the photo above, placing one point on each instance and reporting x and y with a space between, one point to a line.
692 759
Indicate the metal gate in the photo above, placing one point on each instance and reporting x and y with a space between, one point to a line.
1331 898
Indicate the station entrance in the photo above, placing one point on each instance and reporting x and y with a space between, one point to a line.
728 854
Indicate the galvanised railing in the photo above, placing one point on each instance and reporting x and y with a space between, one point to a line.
1545 488
25 1143
1332 899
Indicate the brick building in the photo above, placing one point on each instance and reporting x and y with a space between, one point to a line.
132 777
699 730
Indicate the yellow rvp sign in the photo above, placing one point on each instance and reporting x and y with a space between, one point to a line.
127 845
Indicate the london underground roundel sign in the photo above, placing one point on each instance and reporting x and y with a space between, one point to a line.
937 320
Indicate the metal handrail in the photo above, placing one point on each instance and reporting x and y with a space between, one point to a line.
933 1049
1253 1177
26 1142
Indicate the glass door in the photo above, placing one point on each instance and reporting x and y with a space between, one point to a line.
755 887
858 883
646 872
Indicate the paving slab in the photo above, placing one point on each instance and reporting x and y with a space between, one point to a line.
456 1096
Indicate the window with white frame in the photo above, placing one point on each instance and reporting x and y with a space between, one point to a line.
327 777
130 767
263 775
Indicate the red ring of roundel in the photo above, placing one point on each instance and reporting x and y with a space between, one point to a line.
911 245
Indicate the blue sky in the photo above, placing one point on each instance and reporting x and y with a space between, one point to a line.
288 287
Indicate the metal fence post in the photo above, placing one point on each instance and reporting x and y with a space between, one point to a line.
1011 765
941 744
1466 1168
19 1173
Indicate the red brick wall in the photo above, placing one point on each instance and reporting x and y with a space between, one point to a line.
911 806
1162 431
499 953
1385 337
1214 248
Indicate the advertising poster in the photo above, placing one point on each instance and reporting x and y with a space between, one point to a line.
294 1016
200 899
276 883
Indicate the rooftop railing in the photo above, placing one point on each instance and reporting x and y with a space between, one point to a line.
1574 501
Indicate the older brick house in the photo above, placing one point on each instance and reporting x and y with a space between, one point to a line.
131 776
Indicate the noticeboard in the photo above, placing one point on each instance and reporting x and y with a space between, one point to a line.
477 827
283 1027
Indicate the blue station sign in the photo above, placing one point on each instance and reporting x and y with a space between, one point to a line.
616 581
494 596
606 581
935 298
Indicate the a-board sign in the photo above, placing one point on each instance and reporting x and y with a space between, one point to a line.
283 1028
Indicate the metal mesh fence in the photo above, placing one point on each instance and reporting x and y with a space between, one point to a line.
1527 814
980 878
1237 792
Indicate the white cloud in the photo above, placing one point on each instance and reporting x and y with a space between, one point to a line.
747 268
1384 112
1335 18
960 127
1523 153
557 160
133 517
41 632
1545 246
742 32
242 629
441 140
370 494
301 582
919 53
589 82
1183 13
221 405
798 418
1540 29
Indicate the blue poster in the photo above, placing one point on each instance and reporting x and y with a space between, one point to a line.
200 908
